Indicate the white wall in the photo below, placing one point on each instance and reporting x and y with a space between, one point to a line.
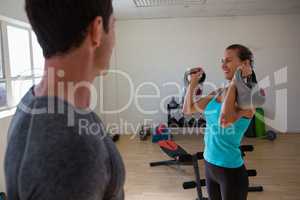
13 9
4 123
161 50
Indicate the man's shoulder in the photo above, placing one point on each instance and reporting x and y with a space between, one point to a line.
51 137
50 123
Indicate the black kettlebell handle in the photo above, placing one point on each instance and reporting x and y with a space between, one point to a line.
202 79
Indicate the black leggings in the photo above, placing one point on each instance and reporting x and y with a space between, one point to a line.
225 183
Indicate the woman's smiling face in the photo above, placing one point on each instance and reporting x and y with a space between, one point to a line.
230 63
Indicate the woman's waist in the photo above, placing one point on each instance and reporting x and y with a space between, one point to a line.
218 157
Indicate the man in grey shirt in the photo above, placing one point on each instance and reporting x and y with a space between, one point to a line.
57 147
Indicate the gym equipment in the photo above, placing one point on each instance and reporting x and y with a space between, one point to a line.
251 173
161 132
173 104
3 196
161 128
181 122
257 127
260 127
248 94
201 123
192 122
181 157
172 150
271 135
173 123
144 132
251 129
114 137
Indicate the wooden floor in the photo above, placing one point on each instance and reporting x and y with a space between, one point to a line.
277 163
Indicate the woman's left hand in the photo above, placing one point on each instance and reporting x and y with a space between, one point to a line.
246 69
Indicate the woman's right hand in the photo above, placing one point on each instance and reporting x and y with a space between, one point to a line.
196 74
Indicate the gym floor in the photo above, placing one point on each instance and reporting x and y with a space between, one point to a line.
277 164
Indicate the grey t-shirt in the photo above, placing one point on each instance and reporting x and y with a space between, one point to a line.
56 153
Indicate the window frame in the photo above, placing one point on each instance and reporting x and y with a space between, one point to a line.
7 77
2 77
1 55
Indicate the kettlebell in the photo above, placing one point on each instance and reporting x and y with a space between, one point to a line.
189 72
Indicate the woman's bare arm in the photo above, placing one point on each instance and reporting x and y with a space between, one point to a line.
230 111
191 107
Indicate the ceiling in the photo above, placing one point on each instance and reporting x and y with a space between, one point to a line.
127 9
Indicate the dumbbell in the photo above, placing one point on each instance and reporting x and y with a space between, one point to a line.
181 122
173 104
173 123
192 122
144 132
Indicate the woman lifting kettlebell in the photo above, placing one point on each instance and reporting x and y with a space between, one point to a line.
228 112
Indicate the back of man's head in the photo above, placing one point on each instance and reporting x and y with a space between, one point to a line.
61 25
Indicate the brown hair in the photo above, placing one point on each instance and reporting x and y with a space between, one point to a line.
244 53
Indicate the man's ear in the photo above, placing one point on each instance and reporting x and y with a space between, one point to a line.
96 31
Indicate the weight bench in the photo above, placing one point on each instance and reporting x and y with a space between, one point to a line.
181 157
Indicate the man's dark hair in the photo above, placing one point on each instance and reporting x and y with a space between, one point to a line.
61 25
244 53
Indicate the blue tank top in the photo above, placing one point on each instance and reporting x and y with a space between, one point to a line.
222 144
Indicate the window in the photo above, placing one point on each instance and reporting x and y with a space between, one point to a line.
3 92
19 51
1 60
19 89
3 98
21 62
38 58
